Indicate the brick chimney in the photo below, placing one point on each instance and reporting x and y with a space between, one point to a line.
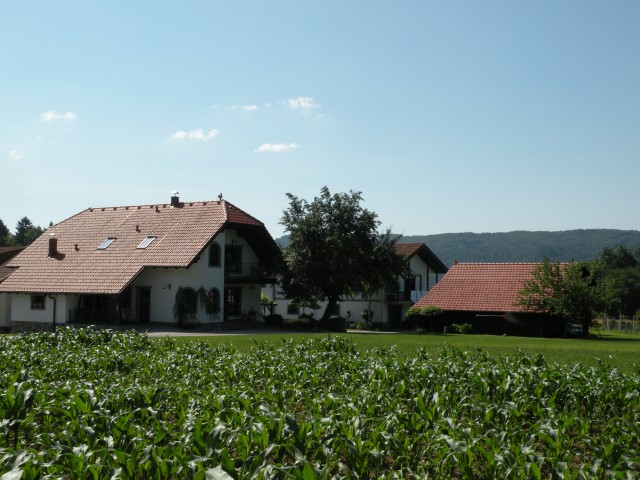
175 199
53 245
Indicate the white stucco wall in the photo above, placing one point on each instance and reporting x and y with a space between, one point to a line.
164 283
21 309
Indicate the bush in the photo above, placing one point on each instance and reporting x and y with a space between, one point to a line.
420 317
308 316
274 319
362 325
366 314
462 327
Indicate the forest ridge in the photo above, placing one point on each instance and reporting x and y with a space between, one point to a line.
520 246
524 246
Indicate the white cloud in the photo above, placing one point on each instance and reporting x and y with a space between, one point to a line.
15 155
302 103
247 108
198 134
52 116
275 147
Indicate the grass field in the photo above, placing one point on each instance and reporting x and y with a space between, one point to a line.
618 350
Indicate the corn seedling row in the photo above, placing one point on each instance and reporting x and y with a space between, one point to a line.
94 404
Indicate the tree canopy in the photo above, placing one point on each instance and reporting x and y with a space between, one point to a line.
6 239
572 292
335 249
622 270
26 233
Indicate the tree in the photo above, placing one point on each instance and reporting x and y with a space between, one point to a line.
335 250
622 270
26 232
620 257
571 292
6 239
623 290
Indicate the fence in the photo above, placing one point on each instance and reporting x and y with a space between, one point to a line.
621 324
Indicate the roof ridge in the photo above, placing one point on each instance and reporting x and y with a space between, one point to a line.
150 205
497 263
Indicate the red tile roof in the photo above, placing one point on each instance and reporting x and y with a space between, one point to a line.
483 287
408 249
181 235
6 254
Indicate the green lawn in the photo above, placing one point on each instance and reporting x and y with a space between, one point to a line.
619 350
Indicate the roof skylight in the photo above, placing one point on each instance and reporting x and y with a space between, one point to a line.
106 243
146 242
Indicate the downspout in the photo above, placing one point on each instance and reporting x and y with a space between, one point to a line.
54 311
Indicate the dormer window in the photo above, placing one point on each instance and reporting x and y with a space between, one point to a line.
106 243
146 242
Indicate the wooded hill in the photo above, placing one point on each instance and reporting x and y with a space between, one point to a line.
521 246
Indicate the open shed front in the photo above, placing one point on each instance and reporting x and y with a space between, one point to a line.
503 323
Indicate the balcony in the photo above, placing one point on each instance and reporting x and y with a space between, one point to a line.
248 273
405 296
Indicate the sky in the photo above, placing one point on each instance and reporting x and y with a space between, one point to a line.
450 116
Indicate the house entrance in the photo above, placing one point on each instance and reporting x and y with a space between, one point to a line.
143 304
232 302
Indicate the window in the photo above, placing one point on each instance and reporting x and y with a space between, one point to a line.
38 302
146 242
232 303
106 243
233 259
214 255
293 309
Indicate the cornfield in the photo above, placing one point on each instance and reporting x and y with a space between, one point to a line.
95 404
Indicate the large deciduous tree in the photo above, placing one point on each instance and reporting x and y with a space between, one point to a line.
622 270
572 292
335 250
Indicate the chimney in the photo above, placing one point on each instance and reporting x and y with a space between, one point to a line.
175 199
53 245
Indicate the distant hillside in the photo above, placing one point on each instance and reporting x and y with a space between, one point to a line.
525 246
521 246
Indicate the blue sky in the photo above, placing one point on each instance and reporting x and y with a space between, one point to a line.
449 116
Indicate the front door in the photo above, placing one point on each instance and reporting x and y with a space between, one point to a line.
232 302
143 304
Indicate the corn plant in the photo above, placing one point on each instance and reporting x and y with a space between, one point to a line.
102 404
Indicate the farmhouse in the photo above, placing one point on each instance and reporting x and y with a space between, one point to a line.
137 263
389 305
486 296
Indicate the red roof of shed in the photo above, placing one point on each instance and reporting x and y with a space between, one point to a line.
483 287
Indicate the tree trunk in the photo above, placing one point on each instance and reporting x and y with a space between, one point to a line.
325 322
